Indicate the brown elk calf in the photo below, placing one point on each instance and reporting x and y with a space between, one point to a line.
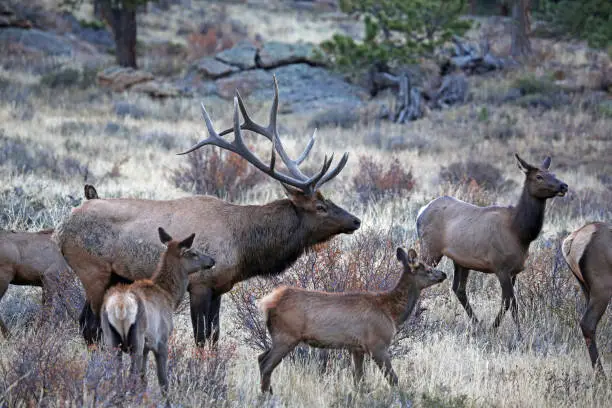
137 318
588 252
363 323
30 258
490 239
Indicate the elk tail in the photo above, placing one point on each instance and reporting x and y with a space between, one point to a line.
121 310
270 301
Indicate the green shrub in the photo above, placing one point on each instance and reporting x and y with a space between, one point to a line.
590 20
396 32
530 84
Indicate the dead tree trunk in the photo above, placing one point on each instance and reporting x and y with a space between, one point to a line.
121 15
521 45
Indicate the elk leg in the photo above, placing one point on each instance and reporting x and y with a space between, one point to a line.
358 366
199 299
508 300
90 325
161 361
212 318
459 287
4 284
588 324
382 359
270 360
143 372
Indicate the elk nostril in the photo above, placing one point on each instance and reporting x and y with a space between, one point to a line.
357 222
564 187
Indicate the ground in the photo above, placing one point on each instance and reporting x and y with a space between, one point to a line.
53 140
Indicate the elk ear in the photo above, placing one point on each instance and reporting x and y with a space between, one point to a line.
546 163
164 237
187 242
523 165
402 256
90 192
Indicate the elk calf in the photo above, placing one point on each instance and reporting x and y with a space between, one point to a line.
137 318
588 252
30 258
363 323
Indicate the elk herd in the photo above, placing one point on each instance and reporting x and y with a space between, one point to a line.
135 274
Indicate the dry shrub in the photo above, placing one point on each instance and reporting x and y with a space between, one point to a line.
217 172
204 370
483 174
41 369
375 181
369 264
548 290
470 192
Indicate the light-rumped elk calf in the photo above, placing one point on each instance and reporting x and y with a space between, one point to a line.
137 318
30 258
488 239
588 252
113 235
363 323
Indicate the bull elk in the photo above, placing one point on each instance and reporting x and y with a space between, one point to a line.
30 258
137 318
112 235
588 252
363 323
488 239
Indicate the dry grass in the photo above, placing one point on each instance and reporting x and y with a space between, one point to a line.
446 364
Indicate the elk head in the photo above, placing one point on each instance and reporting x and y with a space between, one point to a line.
191 259
541 183
423 275
320 216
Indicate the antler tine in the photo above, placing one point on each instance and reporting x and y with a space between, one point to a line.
314 180
242 150
334 172
306 151
212 139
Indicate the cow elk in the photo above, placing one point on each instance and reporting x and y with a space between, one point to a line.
363 323
103 236
488 239
137 318
588 252
30 258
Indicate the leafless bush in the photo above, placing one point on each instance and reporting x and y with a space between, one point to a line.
484 174
26 158
369 264
217 172
22 211
41 370
375 181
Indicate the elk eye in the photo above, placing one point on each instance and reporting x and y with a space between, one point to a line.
539 177
321 208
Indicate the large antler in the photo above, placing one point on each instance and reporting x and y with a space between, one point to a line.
297 179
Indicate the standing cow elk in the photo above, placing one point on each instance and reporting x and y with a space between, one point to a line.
137 318
30 258
363 323
112 235
488 239
588 252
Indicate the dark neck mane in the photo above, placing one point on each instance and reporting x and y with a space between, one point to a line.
169 278
400 301
272 238
528 217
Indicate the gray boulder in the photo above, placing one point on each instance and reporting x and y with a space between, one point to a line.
305 88
36 41
246 82
242 55
274 54
212 68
